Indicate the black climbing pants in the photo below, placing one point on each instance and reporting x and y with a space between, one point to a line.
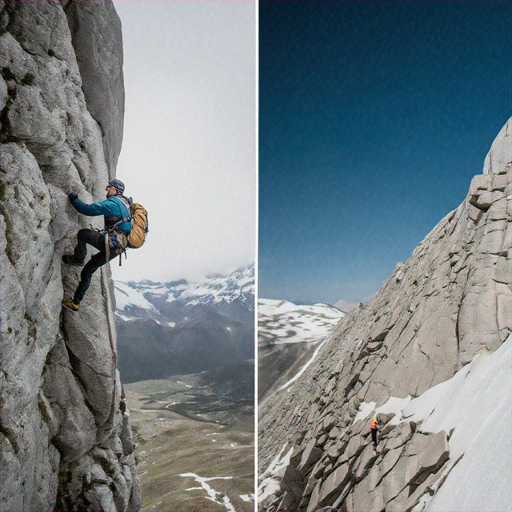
97 240
374 436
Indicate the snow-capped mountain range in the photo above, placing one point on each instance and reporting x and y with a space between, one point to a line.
170 302
180 327
280 321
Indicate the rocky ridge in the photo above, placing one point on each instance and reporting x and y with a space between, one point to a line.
66 437
434 319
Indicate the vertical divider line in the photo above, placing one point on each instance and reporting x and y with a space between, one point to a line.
256 270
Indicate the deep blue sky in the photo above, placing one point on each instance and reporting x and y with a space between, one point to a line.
373 118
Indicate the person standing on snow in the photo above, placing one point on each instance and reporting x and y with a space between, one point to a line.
111 242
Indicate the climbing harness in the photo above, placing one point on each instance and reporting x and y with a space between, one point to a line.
116 238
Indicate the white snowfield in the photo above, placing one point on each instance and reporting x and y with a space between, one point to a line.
219 288
477 403
280 321
127 295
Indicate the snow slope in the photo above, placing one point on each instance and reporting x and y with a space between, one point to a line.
127 295
476 404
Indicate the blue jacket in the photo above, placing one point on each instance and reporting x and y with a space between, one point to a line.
112 208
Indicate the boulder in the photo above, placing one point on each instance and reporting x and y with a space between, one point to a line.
424 455
365 496
364 462
334 485
401 434
389 461
430 457
312 502
354 447
336 449
309 457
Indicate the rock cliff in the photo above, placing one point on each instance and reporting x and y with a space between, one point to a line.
436 338
66 437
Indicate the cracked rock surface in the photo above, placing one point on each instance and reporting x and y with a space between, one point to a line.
66 440
449 302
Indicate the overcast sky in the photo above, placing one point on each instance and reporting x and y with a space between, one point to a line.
189 153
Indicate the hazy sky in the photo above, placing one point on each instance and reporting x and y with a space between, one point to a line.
373 119
189 147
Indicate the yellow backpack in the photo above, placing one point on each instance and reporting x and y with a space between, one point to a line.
140 229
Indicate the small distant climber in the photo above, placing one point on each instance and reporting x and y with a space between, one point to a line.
375 429
111 242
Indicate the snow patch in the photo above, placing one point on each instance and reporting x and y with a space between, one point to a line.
394 405
212 493
364 411
125 318
280 321
271 478
304 368
128 296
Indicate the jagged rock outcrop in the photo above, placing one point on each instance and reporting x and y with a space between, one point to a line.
449 302
66 439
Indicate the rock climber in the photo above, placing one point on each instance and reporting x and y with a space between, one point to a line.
111 242
375 429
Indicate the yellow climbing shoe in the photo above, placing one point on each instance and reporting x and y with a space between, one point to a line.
69 304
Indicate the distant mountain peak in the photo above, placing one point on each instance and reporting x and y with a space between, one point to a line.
173 301
345 305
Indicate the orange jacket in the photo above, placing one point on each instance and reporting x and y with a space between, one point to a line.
374 424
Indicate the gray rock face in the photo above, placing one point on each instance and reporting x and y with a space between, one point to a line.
97 40
501 151
451 300
66 443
